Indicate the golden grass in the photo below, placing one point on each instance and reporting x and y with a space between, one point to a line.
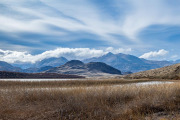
101 102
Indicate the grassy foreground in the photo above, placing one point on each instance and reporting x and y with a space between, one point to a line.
55 101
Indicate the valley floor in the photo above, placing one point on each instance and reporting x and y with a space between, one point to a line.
109 99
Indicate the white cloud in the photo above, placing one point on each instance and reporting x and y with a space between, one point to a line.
70 53
154 54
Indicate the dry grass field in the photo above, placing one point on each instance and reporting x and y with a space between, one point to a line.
89 100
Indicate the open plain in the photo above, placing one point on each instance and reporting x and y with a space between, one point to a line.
110 99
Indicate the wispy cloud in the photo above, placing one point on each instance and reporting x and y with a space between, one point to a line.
87 16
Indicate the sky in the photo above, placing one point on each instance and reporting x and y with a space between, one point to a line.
78 29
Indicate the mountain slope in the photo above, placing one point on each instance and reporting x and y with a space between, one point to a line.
126 63
4 66
54 62
37 70
177 61
22 65
90 69
168 72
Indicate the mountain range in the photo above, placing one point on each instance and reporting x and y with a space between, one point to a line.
127 63
123 62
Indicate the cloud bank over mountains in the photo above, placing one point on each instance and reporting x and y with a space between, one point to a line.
69 53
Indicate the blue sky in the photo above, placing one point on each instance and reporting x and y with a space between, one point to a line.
36 29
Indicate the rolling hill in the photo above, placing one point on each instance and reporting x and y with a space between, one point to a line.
90 69
168 72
